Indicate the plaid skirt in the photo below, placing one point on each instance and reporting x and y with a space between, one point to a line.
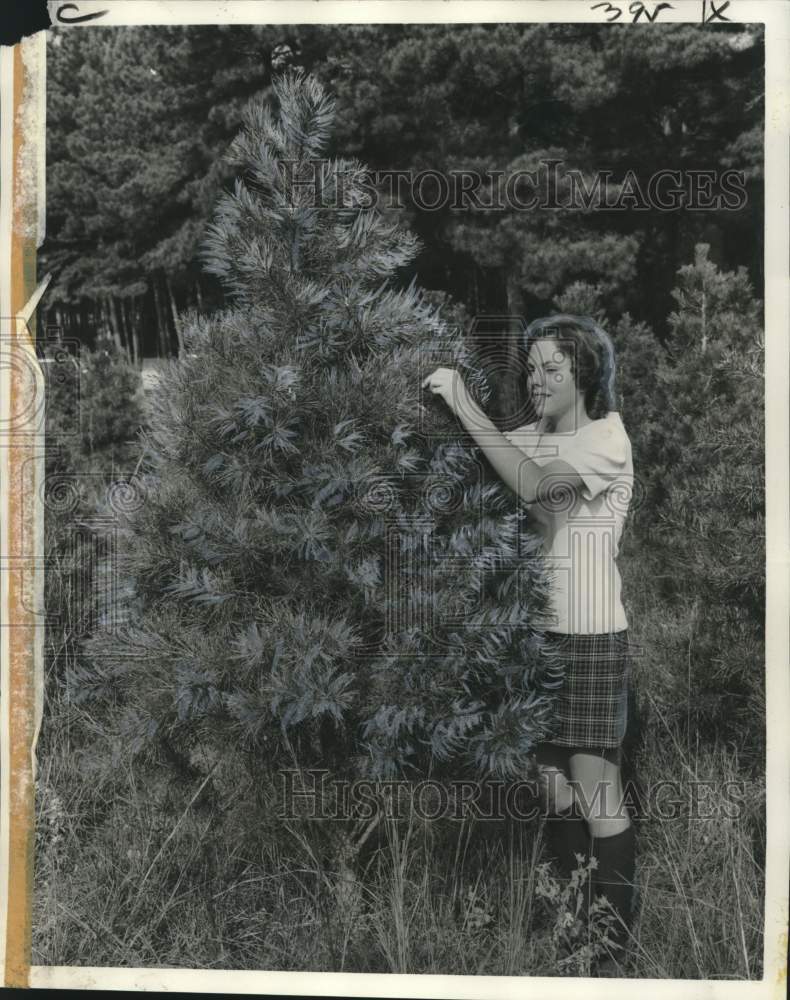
591 706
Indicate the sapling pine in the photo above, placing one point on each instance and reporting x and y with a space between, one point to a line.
324 575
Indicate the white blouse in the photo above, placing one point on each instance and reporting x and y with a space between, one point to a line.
582 538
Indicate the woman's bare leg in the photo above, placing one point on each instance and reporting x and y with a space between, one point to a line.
596 780
565 828
554 773
597 785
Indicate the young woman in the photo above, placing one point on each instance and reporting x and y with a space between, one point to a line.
573 468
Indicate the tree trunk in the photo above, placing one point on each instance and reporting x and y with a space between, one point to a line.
515 298
118 329
132 333
126 332
135 323
112 321
513 394
199 296
174 310
158 314
163 325
122 328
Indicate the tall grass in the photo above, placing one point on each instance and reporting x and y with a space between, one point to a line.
130 869
118 885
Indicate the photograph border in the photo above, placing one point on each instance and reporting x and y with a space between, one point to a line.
22 215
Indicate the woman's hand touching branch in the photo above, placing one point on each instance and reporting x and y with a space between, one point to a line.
534 484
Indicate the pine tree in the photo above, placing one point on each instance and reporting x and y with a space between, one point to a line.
322 574
596 97
695 414
712 522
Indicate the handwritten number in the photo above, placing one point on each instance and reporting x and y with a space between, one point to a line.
78 18
636 9
610 9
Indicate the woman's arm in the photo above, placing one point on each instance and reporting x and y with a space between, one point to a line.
535 484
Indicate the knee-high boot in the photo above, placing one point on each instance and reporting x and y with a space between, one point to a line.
567 837
614 878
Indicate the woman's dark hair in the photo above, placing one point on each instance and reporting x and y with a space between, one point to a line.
591 353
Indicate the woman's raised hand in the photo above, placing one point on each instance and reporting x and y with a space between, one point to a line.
449 384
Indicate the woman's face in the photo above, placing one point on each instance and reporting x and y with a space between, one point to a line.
551 382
